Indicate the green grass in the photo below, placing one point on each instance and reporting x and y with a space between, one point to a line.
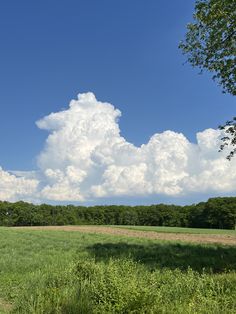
70 272
180 230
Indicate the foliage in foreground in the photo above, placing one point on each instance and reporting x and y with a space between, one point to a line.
125 286
56 272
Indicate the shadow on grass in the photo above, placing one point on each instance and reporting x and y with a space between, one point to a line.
214 259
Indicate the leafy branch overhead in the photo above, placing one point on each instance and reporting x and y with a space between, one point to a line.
210 44
230 138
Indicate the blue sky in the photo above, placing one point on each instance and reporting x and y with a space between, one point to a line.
125 52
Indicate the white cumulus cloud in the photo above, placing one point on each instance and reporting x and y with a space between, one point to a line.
13 188
86 158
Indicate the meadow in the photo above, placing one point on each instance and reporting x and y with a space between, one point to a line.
56 271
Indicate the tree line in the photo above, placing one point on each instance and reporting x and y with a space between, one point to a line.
217 213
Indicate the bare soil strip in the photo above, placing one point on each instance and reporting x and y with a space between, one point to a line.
195 238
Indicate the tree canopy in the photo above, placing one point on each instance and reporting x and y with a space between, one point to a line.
215 213
210 41
210 44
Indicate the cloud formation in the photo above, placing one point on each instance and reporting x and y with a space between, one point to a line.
13 188
86 158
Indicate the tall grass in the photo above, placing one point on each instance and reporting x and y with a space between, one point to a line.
124 286
50 272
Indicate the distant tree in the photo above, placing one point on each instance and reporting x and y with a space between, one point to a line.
210 44
220 212
215 213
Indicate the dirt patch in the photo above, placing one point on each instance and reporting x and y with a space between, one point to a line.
196 238
5 306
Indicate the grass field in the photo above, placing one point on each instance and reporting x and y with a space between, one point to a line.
180 230
53 271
